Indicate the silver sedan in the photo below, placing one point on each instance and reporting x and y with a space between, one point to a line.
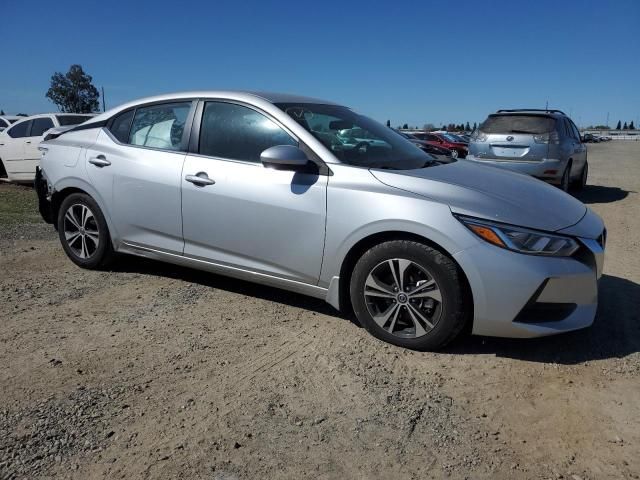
312 197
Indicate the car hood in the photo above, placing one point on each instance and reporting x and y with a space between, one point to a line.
491 193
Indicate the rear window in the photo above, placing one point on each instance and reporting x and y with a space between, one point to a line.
534 124
66 120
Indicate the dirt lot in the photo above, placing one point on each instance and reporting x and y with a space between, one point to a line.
153 371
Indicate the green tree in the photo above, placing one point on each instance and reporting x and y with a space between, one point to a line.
624 127
389 123
73 92
1 112
619 126
405 126
475 125
467 127
632 126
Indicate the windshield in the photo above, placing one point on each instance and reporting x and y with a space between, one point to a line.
355 139
66 120
532 124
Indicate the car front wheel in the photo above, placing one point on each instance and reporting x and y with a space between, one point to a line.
83 232
409 294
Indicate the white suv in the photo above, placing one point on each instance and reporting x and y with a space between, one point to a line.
19 155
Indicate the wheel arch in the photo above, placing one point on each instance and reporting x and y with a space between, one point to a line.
361 246
65 188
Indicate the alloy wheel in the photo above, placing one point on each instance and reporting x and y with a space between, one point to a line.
81 231
403 298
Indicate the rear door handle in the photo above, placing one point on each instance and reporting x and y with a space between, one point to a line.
200 179
100 161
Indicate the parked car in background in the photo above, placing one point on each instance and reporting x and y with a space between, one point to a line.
19 154
7 120
440 153
458 148
589 138
545 144
263 187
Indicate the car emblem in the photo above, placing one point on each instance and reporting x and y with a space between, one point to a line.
509 138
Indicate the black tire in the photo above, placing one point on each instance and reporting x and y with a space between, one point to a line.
98 257
453 309
565 181
3 171
582 181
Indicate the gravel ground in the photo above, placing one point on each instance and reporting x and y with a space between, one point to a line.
154 371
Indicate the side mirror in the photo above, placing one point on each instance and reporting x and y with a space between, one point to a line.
284 157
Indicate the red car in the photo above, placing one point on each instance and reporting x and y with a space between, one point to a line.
458 149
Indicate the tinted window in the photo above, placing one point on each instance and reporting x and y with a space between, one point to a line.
160 126
238 133
120 126
3 123
39 126
20 130
66 120
533 124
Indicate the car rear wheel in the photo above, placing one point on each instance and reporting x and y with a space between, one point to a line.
454 154
83 232
409 294
582 181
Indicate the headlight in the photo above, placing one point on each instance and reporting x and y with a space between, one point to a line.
521 239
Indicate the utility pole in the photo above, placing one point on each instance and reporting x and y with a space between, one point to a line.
607 124
546 106
104 109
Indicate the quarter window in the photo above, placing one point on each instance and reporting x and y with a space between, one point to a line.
120 126
40 125
3 123
160 126
20 130
238 133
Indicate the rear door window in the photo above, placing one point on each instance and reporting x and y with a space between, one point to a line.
66 120
160 126
40 125
121 125
531 124
20 130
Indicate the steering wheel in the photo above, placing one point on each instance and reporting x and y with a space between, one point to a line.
361 145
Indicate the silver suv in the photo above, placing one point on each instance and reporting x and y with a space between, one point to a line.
545 144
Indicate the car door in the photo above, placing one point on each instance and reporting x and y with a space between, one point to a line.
244 215
12 147
36 135
136 166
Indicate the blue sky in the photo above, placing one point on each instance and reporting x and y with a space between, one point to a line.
413 62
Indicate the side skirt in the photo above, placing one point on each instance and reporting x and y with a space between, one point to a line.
199 264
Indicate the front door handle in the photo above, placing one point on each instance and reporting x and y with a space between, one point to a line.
100 161
200 179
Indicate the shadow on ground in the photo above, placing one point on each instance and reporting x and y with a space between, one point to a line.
145 266
615 333
601 194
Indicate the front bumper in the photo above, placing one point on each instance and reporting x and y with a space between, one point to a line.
547 169
521 296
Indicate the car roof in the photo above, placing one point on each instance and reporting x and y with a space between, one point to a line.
246 95
532 111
